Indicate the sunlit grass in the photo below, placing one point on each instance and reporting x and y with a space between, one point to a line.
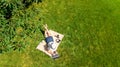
91 30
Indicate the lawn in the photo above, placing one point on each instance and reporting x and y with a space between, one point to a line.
91 29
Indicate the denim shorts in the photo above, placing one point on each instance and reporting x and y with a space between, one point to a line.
49 39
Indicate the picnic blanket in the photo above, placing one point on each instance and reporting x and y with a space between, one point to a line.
57 39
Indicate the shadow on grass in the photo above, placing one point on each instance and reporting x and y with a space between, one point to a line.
42 31
0 51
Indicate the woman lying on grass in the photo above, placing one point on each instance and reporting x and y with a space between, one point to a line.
51 46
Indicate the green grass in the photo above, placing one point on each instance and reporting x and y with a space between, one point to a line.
92 35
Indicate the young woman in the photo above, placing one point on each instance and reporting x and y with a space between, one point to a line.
51 46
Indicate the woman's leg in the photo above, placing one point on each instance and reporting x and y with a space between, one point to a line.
47 33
